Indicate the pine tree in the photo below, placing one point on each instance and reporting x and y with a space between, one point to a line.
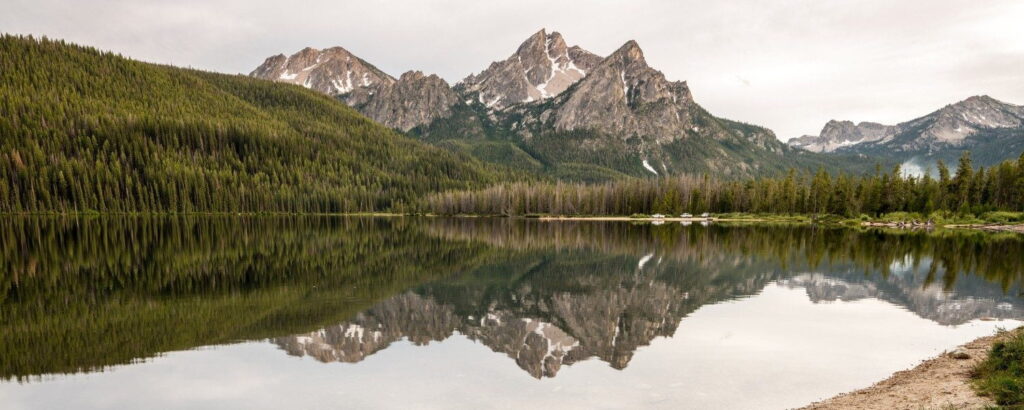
963 180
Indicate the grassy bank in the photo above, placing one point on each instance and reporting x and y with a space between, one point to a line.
1001 375
938 218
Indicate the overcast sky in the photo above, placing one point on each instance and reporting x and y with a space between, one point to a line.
787 65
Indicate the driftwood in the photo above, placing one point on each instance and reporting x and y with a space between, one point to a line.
915 224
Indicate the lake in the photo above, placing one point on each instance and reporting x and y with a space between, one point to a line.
400 312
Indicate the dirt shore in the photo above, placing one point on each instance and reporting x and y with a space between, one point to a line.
991 228
900 225
647 219
939 383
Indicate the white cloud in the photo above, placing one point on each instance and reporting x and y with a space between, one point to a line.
789 65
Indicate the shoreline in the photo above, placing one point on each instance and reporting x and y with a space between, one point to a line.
790 219
990 227
649 219
1012 228
939 382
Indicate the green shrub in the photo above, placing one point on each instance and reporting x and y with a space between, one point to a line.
902 216
1001 375
1003 217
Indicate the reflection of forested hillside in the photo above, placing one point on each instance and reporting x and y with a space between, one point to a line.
578 290
79 294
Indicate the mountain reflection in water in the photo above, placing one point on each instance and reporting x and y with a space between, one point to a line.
566 292
106 291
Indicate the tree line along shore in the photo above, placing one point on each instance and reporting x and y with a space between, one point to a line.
993 195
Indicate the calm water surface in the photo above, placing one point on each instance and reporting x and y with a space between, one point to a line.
281 312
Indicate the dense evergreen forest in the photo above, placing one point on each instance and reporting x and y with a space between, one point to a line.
84 130
968 191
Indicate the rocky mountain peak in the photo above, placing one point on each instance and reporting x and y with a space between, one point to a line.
412 100
838 134
542 67
333 71
537 42
946 128
415 99
955 122
413 75
630 52
625 95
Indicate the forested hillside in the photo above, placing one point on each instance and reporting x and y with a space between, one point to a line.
84 130
741 151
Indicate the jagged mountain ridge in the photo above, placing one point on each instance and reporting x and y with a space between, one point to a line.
991 129
332 71
542 67
612 97
563 111
412 100
838 134
623 119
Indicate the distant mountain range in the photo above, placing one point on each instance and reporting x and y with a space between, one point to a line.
554 109
992 130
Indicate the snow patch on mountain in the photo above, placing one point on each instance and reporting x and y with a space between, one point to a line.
649 167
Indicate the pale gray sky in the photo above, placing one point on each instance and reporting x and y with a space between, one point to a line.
789 65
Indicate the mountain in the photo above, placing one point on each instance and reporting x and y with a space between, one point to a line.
541 68
838 134
624 95
991 129
622 118
332 71
564 112
106 133
413 100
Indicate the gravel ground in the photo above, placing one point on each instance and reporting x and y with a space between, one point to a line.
939 383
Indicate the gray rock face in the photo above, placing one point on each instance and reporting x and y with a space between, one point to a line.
549 89
838 134
332 71
955 122
626 96
541 68
948 126
960 354
413 100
